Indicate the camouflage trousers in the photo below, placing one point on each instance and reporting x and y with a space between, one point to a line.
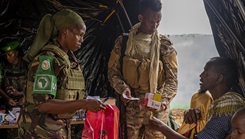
12 133
137 118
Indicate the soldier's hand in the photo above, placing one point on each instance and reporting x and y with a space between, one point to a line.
126 95
11 102
95 105
21 101
11 90
192 116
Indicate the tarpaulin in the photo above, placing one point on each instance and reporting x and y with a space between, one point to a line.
105 21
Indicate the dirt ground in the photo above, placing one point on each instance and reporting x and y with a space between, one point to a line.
178 115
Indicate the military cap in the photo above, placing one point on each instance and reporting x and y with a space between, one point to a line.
10 46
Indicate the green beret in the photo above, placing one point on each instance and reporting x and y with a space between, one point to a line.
10 46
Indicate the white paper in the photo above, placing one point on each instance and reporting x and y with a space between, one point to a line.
132 98
93 97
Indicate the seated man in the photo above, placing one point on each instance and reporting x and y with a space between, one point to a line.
200 101
219 75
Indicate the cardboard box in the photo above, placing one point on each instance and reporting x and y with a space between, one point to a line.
150 103
149 95
157 97
154 104
144 102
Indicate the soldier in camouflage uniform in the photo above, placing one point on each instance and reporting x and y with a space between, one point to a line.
13 70
55 84
149 65
13 74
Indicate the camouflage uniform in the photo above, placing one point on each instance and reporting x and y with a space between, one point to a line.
70 86
135 77
13 76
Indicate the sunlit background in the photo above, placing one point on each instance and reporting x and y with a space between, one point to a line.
187 24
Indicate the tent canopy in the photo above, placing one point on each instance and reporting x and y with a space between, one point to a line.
106 20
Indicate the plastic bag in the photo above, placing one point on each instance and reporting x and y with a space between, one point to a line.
102 124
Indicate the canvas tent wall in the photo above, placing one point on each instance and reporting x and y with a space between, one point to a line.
227 20
106 19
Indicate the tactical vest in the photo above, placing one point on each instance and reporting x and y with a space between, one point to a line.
71 87
140 66
138 78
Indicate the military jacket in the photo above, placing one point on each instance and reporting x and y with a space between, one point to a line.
13 76
136 70
70 86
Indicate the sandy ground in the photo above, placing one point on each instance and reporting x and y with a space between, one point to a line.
178 115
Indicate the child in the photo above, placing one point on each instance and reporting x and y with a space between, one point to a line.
238 124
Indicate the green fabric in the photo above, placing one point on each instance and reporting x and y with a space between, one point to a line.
49 28
10 46
45 79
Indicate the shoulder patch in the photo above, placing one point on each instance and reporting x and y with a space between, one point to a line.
45 65
45 80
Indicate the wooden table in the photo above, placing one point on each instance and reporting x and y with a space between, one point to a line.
8 126
16 126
